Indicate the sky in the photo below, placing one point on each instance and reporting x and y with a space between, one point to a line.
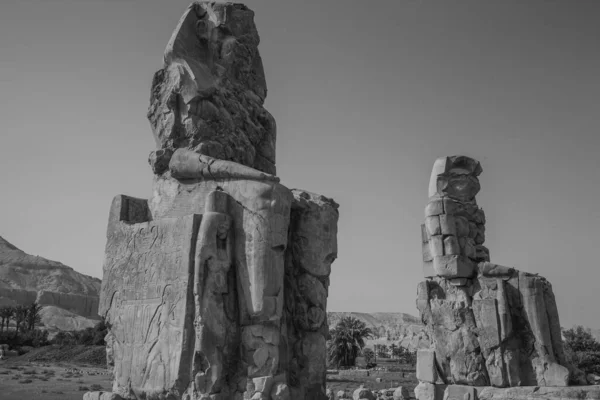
366 96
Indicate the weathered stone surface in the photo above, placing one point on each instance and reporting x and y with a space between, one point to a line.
280 391
313 238
209 95
147 304
489 324
216 287
401 393
460 392
101 396
426 369
314 226
453 266
363 393
429 391
541 393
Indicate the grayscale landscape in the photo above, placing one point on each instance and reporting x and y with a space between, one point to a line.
223 201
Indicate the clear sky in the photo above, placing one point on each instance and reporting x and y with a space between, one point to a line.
366 96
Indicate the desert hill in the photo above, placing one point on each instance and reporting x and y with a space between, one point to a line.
70 298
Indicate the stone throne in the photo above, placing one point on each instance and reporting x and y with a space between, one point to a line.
216 287
490 325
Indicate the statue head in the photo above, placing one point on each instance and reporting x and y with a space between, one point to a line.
455 177
209 95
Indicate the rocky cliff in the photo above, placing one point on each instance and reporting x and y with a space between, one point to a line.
70 298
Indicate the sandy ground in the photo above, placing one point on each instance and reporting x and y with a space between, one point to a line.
25 380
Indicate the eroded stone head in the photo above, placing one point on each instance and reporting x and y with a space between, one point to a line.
209 95
455 177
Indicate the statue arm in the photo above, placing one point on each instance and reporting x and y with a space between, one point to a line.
187 164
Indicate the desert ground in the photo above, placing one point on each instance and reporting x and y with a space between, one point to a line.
54 373
66 373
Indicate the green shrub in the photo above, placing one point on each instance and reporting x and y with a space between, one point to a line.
88 337
582 350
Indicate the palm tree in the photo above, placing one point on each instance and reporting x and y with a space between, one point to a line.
394 350
369 356
347 341
6 313
20 316
383 351
33 317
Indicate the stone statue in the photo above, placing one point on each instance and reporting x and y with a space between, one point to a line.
216 287
490 325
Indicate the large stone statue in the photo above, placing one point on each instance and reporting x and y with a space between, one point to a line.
216 287
490 325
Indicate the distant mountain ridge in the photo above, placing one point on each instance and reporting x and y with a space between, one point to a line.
70 298
403 329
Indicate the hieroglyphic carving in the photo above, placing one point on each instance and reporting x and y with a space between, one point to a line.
197 305
146 300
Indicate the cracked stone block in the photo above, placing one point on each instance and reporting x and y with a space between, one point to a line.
426 252
429 391
451 246
447 224
460 392
436 245
433 226
426 370
424 236
434 207
452 266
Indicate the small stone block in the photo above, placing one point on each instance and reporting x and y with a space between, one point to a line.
436 245
556 375
448 224
460 392
424 236
401 393
426 371
458 281
434 207
453 266
429 391
433 226
426 252
451 245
